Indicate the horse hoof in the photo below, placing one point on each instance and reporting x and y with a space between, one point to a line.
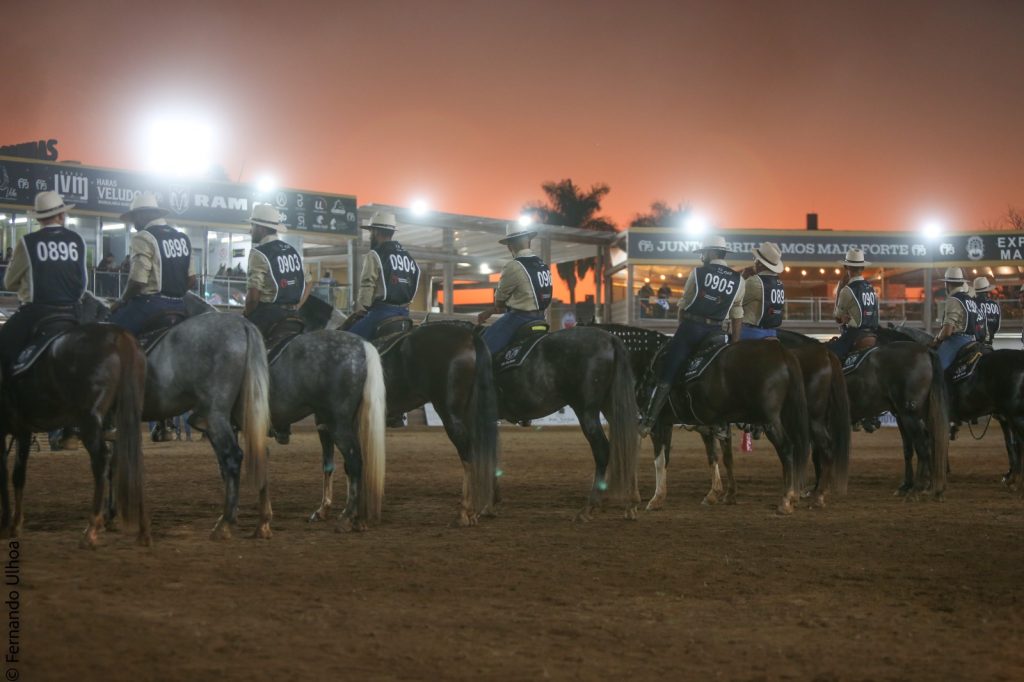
709 500
87 541
319 515
785 508
144 539
488 513
263 532
655 505
630 514
463 520
584 515
220 532
348 525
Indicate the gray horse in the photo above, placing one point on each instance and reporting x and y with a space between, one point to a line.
215 364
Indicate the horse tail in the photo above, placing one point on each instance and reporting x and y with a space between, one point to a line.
938 424
794 418
838 422
371 417
254 406
483 426
128 422
623 425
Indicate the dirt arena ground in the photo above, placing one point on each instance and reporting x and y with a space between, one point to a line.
870 588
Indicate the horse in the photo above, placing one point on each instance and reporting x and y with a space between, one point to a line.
91 377
905 379
447 363
828 413
589 370
215 364
996 387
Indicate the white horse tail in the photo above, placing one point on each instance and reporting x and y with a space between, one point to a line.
371 417
254 406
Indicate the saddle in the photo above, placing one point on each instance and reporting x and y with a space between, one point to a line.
45 331
867 339
855 359
965 362
156 327
390 333
523 342
703 355
281 334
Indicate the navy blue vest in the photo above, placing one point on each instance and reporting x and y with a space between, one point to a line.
540 278
867 300
175 254
972 313
57 258
717 286
773 302
285 269
993 317
400 274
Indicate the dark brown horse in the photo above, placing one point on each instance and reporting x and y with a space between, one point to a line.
92 377
903 378
753 382
448 364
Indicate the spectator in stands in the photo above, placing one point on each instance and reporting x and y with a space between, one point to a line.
645 293
7 255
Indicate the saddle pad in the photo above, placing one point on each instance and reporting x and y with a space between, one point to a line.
964 367
388 343
150 340
854 360
278 348
515 355
32 351
701 361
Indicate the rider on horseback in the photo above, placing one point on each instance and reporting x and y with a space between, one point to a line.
389 280
989 314
523 293
763 294
276 284
713 292
959 318
856 304
47 270
161 268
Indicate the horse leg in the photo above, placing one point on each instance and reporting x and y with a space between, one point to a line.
1008 438
919 439
1016 454
730 480
327 448
908 457
458 433
717 492
229 459
5 493
590 423
348 444
92 439
20 469
661 438
784 448
822 456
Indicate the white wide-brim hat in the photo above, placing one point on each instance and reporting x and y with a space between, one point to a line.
954 275
49 204
515 231
144 201
267 216
716 243
855 259
381 221
769 255
981 285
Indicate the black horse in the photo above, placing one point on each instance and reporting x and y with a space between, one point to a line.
903 378
752 382
589 370
996 387
447 364
92 377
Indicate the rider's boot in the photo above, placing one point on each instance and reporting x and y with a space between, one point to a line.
653 409
282 436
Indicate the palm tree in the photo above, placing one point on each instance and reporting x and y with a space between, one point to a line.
661 215
570 206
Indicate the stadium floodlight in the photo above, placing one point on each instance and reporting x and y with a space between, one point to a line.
266 184
932 229
419 207
485 269
525 220
695 225
180 144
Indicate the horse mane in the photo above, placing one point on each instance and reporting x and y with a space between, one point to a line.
893 333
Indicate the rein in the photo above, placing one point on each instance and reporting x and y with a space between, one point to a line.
983 431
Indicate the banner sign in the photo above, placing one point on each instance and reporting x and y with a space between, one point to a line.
816 247
109 192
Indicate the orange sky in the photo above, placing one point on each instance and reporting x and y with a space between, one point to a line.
873 114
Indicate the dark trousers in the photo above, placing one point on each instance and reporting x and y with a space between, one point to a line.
843 345
500 334
689 334
140 311
377 313
17 331
266 315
